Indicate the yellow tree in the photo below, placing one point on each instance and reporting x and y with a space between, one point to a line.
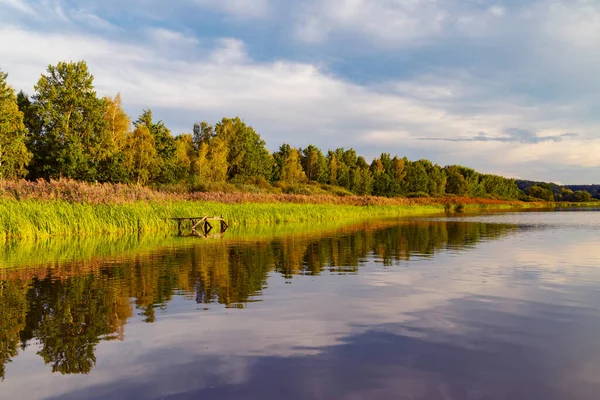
14 155
141 157
217 156
118 123
291 171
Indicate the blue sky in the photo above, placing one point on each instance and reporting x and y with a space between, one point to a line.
509 87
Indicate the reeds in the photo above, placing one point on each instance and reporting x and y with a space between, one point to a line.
34 210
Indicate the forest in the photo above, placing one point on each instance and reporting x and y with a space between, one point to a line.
64 130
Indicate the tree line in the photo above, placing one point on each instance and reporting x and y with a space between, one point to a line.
64 130
553 192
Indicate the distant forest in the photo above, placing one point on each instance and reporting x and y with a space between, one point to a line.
64 130
556 192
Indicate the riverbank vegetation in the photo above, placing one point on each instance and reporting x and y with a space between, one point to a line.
35 219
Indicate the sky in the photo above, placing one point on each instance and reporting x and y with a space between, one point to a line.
509 87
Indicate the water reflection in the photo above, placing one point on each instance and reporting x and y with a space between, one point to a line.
67 308
501 306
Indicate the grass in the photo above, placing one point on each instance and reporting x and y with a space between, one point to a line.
38 210
35 219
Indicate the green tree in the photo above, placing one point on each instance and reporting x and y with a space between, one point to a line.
542 193
582 196
279 159
456 182
165 146
417 179
333 167
72 134
314 164
248 157
14 156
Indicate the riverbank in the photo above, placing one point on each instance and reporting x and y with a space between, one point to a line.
66 208
37 219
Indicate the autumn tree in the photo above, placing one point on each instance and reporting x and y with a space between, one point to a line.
118 126
292 172
314 164
211 165
14 156
141 157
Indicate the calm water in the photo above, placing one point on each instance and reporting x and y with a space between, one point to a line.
500 306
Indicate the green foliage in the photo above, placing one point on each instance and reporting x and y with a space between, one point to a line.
542 193
314 164
247 154
72 133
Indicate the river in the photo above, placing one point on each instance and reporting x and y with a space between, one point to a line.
491 306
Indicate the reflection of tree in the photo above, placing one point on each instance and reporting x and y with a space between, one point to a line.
71 308
13 307
70 317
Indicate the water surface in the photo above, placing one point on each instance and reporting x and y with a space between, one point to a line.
498 306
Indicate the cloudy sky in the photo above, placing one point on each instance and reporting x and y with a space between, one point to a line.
508 86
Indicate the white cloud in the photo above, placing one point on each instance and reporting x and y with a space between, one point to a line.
230 51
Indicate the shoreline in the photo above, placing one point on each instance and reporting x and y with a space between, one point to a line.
42 219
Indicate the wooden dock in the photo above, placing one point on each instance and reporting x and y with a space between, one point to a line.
200 223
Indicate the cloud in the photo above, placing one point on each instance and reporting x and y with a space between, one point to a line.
452 91
514 135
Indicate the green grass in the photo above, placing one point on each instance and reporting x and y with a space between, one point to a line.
35 219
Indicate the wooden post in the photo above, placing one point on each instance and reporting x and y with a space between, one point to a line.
179 227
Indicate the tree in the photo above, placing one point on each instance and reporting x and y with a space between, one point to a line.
456 182
165 147
14 156
333 168
184 158
417 180
248 156
72 133
117 122
118 126
292 172
203 133
211 165
279 158
314 164
141 155
539 192
582 196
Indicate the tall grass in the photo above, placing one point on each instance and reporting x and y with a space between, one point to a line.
36 210
34 219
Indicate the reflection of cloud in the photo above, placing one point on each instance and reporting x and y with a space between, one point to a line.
425 325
